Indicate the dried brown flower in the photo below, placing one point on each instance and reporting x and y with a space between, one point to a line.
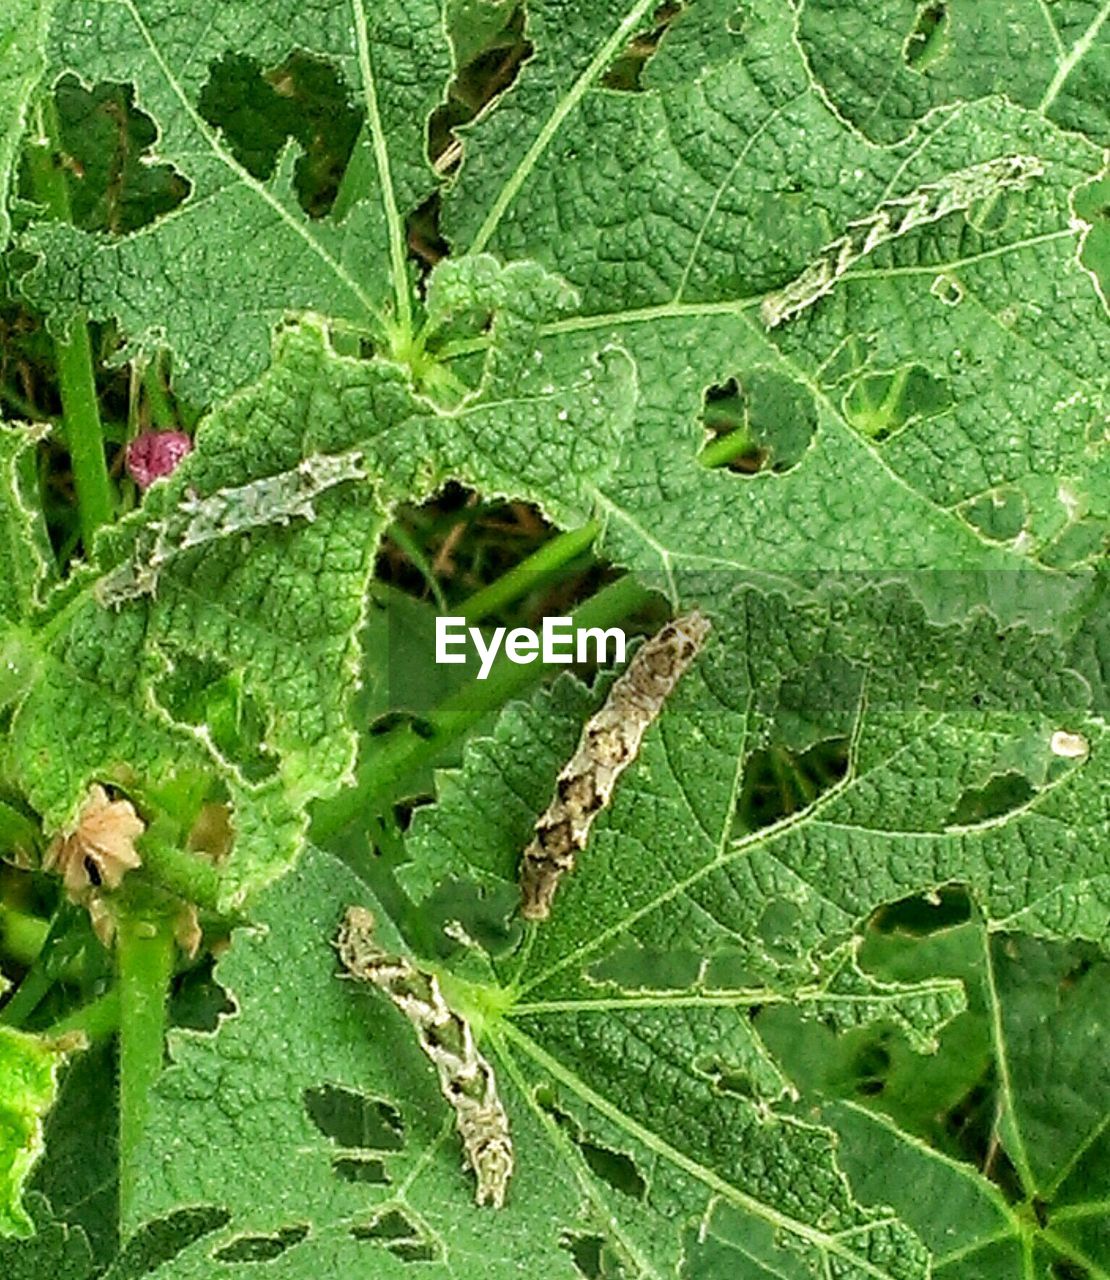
100 849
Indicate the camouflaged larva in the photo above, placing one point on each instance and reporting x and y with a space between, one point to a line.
609 743
893 218
466 1079
277 499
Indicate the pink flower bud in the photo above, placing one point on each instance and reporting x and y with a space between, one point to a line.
153 454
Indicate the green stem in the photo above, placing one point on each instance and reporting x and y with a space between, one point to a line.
512 585
21 935
84 435
162 415
98 1019
726 449
190 875
387 760
419 560
144 959
51 960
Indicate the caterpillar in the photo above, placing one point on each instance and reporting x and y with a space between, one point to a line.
609 743
893 218
466 1079
275 499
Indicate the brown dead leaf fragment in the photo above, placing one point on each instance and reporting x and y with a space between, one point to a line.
100 849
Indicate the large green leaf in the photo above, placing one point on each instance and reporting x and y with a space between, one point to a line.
23 30
29 1068
213 279
250 565
650 1118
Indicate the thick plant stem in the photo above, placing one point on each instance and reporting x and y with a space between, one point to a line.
98 1019
191 876
510 586
390 758
84 435
144 959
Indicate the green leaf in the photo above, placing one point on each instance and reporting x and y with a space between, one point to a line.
681 208
251 564
214 279
56 1250
26 561
651 1118
23 31
29 1070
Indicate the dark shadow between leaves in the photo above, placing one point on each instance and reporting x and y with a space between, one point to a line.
304 98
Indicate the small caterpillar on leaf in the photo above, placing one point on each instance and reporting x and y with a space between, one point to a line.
275 499
466 1079
893 218
609 743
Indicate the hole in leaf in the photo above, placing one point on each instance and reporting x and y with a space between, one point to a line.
636 968
305 99
763 423
206 692
880 404
736 22
198 1000
778 928
399 1235
593 1256
871 1068
947 290
922 915
261 1248
450 547
1002 794
425 240
927 43
490 48
360 1170
624 73
778 782
615 1168
726 1078
106 142
158 1242
999 515
394 719
354 1120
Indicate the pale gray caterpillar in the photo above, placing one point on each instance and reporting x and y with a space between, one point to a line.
275 499
466 1079
609 743
893 218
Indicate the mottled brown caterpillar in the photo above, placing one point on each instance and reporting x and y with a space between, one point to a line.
893 218
465 1077
608 745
